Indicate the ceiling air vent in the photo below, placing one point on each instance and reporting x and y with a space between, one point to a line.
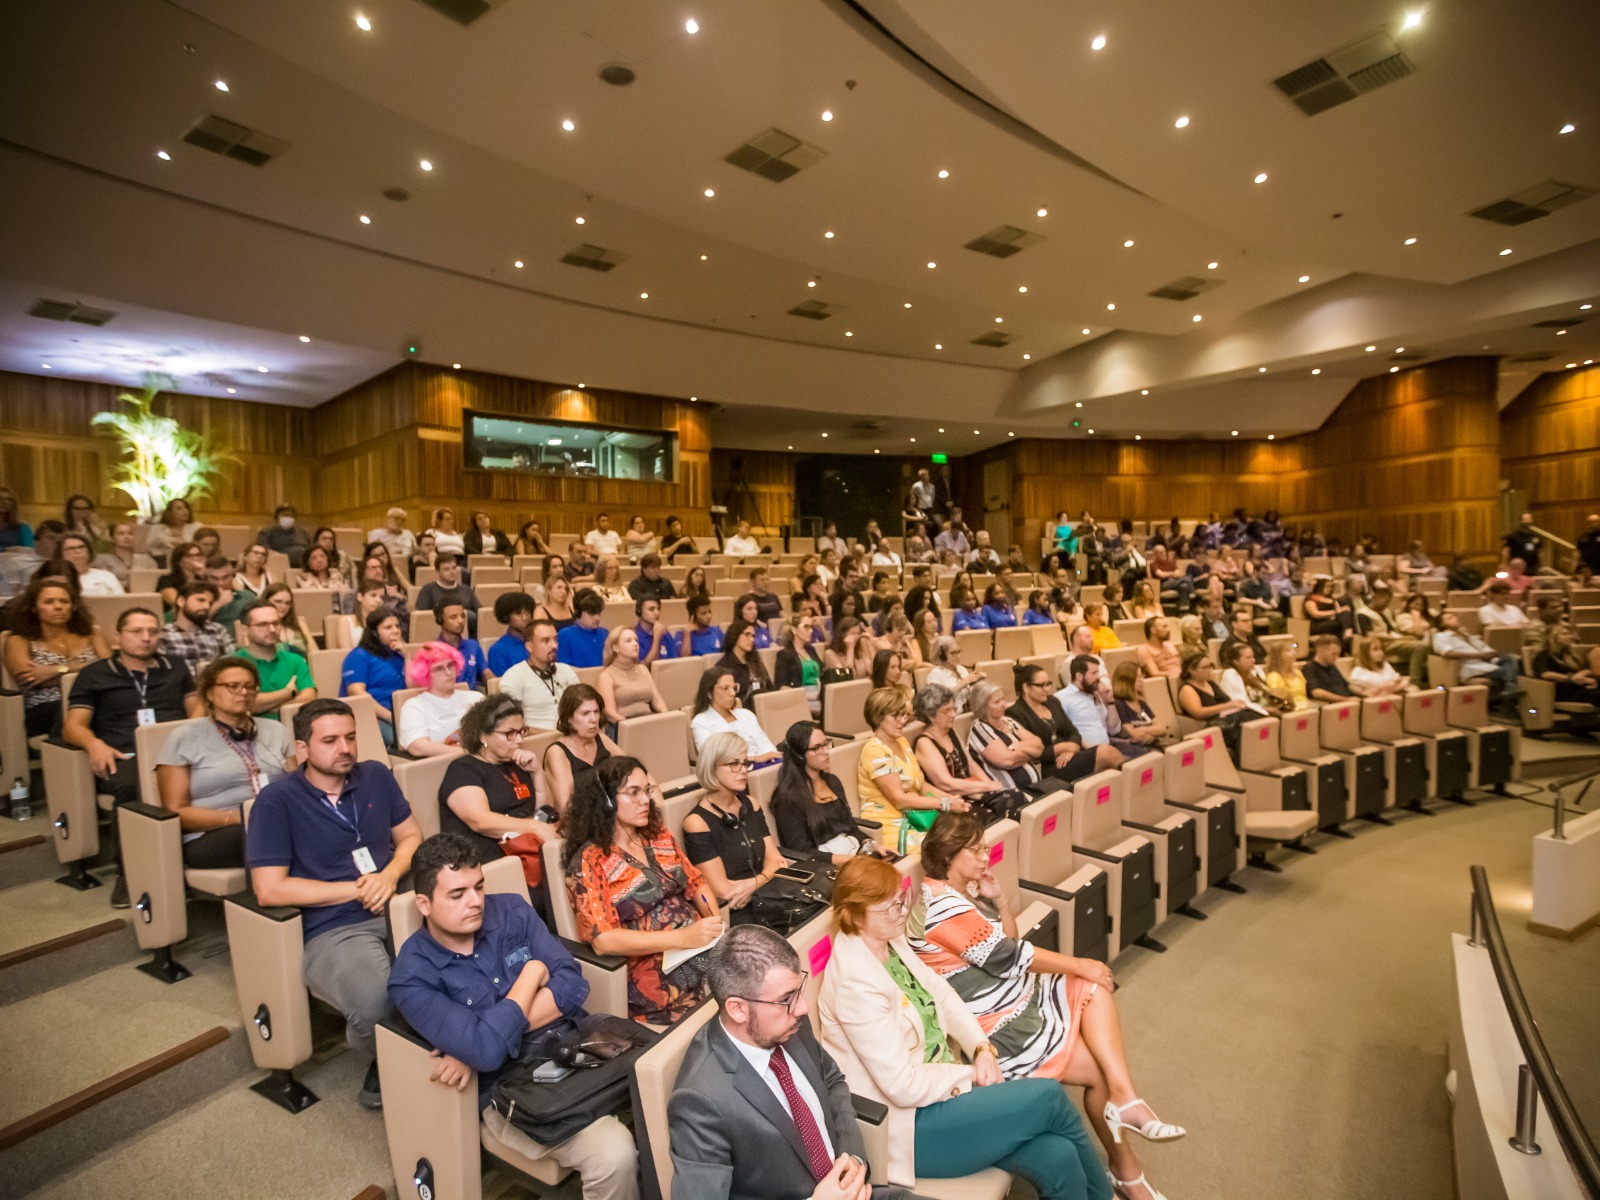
235 141
596 258
814 310
1559 322
1345 74
463 12
1408 356
775 155
993 338
1004 241
861 429
64 310
1186 288
1532 357
1532 203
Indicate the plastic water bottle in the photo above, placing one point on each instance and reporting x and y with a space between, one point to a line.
21 805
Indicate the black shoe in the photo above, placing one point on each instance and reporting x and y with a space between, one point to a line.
371 1094
119 893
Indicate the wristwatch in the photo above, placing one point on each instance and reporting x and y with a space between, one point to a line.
989 1046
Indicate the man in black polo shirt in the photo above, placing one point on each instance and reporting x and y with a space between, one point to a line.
768 605
1323 679
112 698
1523 542
650 583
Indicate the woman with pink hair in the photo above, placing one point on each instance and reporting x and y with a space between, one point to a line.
431 723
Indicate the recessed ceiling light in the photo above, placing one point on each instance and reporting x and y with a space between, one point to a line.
581 387
932 265
425 165
644 295
975 433
849 333
1111 308
1316 370
710 192
455 366
1043 212
263 370
1271 437
517 264
363 24
811 283
824 435
827 114
366 220
692 399
1085 331
1370 349
1026 357
568 125
691 26
1569 127
1505 252
1413 19
578 220
1181 123
1399 349
1091 431
1561 333
46 366
1197 318
222 85
231 391
163 156
1011 433
944 174
908 304
1571 365
1410 241
1076 404
829 234
1305 279
877 451
1234 432
702 258
938 345
1138 437
1099 43
1261 370
1261 177
1211 266
791 447
999 320
1142 392
1023 289
1128 245
1392 370
941 429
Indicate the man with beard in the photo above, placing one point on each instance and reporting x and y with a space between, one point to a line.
192 637
334 839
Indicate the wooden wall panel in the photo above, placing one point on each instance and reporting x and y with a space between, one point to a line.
1550 448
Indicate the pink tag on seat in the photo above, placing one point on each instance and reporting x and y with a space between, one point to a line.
1266 732
1425 702
1344 714
819 954
1303 722
1469 697
1147 776
1049 826
1383 706
996 852
1103 795
1188 758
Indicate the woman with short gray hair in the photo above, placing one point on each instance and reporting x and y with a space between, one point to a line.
939 752
945 659
726 836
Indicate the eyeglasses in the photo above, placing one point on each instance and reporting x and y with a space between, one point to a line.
738 765
788 1001
241 688
510 733
652 793
898 907
818 748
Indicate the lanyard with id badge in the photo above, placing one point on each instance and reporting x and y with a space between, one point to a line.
144 715
361 855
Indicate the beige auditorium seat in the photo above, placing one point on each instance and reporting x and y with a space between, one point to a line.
1192 784
1449 750
842 708
1048 639
152 856
369 737
1046 917
1174 834
420 780
777 710
1300 741
1405 757
1047 870
1496 750
1128 859
106 609
1002 673
677 679
434 1132
977 645
1366 766
1130 632
1277 794
1015 643
661 742
71 802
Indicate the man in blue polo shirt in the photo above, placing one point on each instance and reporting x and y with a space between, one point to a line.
515 611
654 640
452 618
334 839
702 637
583 643
481 973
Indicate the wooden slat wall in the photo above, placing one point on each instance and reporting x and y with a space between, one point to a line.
49 449
770 477
1550 448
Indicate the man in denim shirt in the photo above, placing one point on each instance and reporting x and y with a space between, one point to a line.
482 972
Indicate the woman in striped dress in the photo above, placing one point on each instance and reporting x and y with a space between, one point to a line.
1045 1014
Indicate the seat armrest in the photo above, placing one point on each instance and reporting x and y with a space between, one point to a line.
1143 828
1185 805
870 1111
248 901
586 953
424 1120
1222 787
267 946
1046 890
1088 853
151 839
864 823
607 976
873 1125
69 796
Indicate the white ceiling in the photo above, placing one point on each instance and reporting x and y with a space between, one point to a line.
218 266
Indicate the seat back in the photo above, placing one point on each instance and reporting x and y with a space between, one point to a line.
501 875
1300 736
1258 745
1424 712
842 705
1001 673
147 743
1157 693
1044 839
1381 719
777 710
654 1075
420 780
327 667
675 808
677 679
847 767
1048 639
1115 658
369 738
104 610
976 645
1144 789
1185 771
1003 839
566 922
1341 725
1097 810
1467 707
1129 632
660 741
1015 642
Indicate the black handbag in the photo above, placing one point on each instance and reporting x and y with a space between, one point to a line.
600 1050
780 904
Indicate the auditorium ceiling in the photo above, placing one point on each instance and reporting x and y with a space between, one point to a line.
546 191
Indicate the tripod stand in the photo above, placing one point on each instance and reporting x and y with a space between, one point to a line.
737 499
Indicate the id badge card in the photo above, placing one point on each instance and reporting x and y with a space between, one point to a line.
364 863
146 716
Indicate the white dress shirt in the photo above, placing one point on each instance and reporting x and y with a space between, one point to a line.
1088 714
761 1061
602 543
741 547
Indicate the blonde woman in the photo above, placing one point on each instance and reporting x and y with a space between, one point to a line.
1285 677
1191 634
557 606
627 688
1146 601
608 579
445 536
1373 674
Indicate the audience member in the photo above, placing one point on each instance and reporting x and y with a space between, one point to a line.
1524 542
446 540
571 759
740 657
252 577
377 566
1374 675
120 558
694 583
484 538
173 528
1559 662
798 665
1479 661
717 710
469 945
1103 637
536 683
188 564
319 574
997 610
423 557
377 668
982 559
474 664
888 1020
1098 723
949 672
952 539
1200 699
1285 678
746 610
283 674
650 584
78 549
557 605
430 723
583 643
449 588
192 636
513 610
14 531
208 769
396 538
1065 755
285 535
675 542
742 544
1497 611
655 641
703 637
1242 680
634 893
608 580
52 635
1157 656
889 779
809 806
938 748
1139 722
298 848
726 835
1324 682
626 686
602 540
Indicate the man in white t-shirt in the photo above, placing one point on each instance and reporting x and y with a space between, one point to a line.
602 539
537 683
1499 612
400 541
742 544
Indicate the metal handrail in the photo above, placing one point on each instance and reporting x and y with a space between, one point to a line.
1574 1138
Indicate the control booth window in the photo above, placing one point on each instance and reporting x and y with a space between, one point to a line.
493 442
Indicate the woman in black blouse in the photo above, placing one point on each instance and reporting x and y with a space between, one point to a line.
939 752
809 806
726 835
740 657
1040 713
1560 663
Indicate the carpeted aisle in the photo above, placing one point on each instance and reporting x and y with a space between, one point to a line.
1300 1033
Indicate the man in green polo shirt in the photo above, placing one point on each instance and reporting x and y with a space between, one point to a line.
285 675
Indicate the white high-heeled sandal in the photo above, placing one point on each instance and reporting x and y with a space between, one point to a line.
1118 1184
1153 1129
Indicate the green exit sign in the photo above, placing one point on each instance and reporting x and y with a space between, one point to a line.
939 459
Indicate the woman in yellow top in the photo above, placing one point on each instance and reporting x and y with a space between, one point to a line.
1283 674
889 779
1105 637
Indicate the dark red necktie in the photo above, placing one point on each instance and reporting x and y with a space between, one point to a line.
810 1135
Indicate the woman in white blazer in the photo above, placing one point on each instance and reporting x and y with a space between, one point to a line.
888 1021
